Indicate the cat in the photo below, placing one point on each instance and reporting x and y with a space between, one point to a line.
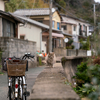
50 59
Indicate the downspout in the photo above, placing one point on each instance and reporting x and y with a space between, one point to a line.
41 39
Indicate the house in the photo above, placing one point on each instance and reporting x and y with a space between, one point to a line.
76 27
8 25
2 4
9 42
42 16
35 31
91 30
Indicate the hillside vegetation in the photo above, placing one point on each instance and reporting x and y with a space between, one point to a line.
79 8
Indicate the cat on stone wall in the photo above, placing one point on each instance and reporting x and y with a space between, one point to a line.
50 59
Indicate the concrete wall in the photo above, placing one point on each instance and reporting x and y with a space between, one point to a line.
69 52
60 52
70 66
82 52
72 52
31 33
2 6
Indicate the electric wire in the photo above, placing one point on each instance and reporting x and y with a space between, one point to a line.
64 9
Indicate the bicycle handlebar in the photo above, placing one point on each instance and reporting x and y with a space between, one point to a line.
28 56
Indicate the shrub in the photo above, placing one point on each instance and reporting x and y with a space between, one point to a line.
72 46
86 45
88 80
96 61
81 74
70 41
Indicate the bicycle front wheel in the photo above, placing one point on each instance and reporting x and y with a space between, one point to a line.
16 99
10 93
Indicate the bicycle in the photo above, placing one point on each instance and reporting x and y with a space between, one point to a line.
16 67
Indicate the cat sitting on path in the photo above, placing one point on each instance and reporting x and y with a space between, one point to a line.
50 59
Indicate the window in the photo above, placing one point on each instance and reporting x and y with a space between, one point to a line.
64 27
22 37
74 28
40 21
83 27
8 28
53 24
58 26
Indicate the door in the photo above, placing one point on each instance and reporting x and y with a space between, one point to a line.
44 46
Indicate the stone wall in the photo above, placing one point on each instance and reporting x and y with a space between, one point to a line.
16 47
70 65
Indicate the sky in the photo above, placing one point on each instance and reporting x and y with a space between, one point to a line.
97 0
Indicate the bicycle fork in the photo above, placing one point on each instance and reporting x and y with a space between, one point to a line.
19 87
16 88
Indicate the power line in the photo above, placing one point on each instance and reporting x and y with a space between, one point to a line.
32 7
64 9
20 3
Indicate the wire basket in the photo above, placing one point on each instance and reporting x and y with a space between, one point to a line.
16 67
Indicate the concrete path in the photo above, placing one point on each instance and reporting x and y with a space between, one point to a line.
50 85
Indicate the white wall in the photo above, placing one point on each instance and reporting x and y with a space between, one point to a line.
2 6
83 23
32 33
0 27
75 22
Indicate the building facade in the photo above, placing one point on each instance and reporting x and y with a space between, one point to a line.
42 16
76 27
8 25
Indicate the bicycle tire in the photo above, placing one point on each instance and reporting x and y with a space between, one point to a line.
24 96
16 99
10 93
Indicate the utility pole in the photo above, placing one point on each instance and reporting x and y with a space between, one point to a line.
50 28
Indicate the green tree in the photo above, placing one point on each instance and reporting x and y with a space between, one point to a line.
24 4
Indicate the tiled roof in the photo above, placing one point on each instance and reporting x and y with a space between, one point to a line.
34 12
26 19
76 18
11 16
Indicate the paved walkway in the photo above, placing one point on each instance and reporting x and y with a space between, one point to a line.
50 85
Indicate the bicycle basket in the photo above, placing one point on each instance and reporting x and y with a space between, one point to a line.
16 67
